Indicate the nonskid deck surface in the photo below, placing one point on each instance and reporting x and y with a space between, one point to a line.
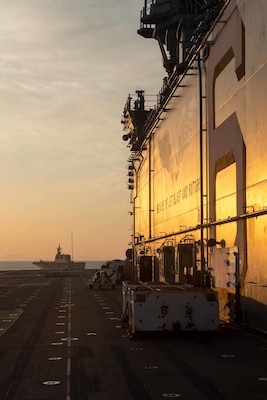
60 340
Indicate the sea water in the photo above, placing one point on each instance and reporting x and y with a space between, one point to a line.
28 265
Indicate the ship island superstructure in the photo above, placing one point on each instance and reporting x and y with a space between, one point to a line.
197 170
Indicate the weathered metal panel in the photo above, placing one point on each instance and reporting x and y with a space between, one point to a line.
237 122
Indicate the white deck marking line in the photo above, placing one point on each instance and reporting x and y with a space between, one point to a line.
68 397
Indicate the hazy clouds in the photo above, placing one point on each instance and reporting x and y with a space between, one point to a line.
66 67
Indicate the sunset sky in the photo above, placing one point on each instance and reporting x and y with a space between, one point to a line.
66 68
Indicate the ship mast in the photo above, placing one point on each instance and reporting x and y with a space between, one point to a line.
72 245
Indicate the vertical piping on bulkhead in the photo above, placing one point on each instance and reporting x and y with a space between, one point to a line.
202 257
150 185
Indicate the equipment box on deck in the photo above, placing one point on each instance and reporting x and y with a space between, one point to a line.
172 309
127 286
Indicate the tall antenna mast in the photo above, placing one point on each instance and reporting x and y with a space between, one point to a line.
72 245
